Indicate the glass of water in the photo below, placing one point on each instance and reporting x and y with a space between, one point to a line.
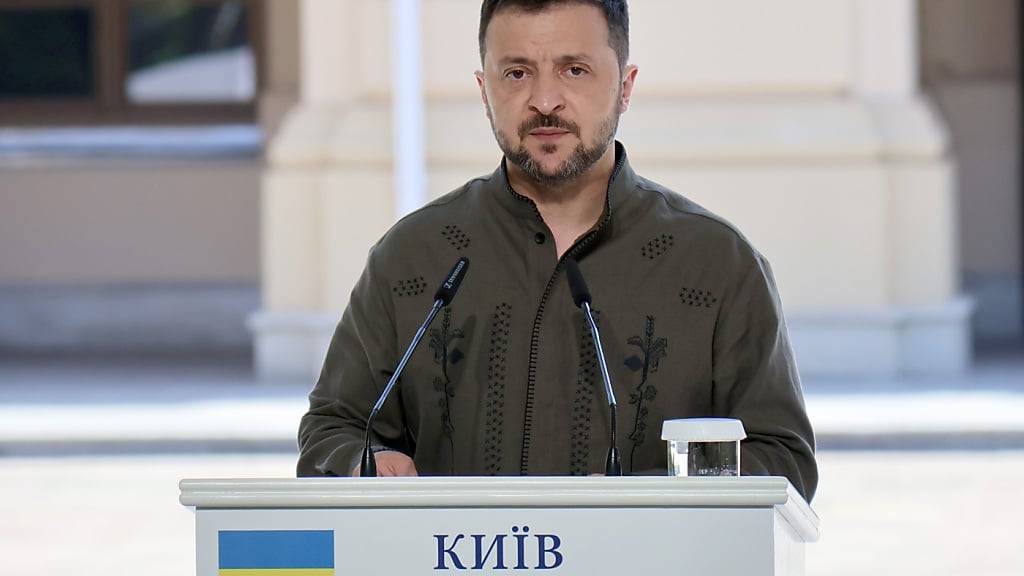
703 446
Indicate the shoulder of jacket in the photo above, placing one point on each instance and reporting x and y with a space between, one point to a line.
438 209
710 226
429 219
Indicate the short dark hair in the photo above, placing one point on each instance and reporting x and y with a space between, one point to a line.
616 12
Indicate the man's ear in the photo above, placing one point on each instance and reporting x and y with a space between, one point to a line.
628 81
482 84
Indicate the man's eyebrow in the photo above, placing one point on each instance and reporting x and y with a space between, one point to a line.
516 60
561 60
568 58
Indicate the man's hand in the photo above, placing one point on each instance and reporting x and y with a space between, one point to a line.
390 463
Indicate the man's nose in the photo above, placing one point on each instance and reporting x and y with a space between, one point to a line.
547 97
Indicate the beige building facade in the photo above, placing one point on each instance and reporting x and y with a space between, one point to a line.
830 131
801 121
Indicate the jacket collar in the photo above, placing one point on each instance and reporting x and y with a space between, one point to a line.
620 189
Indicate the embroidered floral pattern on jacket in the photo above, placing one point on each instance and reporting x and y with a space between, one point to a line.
444 355
652 351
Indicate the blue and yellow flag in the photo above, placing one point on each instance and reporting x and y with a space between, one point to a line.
276 553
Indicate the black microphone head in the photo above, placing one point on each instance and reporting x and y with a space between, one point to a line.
577 286
452 281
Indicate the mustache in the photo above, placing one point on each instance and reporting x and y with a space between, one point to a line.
548 121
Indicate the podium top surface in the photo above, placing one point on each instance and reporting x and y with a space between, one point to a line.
513 492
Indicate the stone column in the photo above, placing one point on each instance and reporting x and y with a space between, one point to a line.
326 191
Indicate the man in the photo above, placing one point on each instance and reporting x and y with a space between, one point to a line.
508 382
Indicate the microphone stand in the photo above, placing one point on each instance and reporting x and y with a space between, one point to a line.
581 297
612 465
368 467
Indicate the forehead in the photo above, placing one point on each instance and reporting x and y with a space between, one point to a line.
579 29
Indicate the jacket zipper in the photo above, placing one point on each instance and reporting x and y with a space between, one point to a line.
531 371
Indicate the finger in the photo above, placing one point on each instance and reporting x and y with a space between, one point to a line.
401 467
388 471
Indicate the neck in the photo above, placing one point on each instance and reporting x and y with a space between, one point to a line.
569 208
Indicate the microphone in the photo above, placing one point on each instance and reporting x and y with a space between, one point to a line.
446 292
443 297
581 297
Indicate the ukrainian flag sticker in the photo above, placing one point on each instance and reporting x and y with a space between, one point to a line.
276 552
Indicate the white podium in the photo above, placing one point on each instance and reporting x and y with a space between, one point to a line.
745 526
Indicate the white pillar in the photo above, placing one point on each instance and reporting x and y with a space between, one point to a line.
410 170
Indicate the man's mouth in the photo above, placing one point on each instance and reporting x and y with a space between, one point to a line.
548 134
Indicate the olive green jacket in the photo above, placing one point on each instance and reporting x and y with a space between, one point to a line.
506 381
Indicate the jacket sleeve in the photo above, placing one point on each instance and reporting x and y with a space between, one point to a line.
359 362
756 380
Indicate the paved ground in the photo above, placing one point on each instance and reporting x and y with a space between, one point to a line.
919 514
907 513
145 405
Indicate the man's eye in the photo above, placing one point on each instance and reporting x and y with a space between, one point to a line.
515 74
577 71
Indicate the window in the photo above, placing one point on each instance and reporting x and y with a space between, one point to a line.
46 53
128 61
188 52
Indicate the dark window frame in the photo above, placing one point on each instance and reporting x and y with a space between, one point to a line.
109 104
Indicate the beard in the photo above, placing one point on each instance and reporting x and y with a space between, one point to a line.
582 158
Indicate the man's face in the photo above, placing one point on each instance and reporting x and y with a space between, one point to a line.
552 89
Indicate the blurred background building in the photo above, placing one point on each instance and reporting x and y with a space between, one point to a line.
207 176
